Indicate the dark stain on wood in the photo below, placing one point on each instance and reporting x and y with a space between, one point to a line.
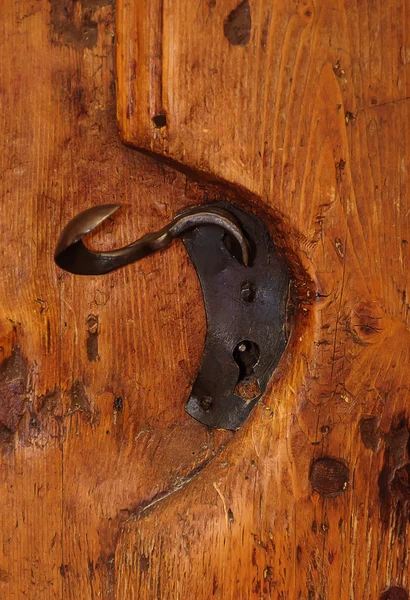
395 593
349 117
393 482
97 3
91 570
80 402
92 339
118 404
72 30
329 477
265 31
4 576
214 585
238 24
42 419
144 563
106 564
13 385
339 71
400 485
64 570
49 403
367 321
340 167
369 433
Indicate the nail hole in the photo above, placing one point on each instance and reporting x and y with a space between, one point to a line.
206 403
118 404
325 428
160 120
248 291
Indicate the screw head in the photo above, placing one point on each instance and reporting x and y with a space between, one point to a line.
248 291
206 402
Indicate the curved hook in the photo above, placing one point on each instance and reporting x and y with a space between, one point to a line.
72 255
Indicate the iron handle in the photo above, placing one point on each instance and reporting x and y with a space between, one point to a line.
245 298
73 256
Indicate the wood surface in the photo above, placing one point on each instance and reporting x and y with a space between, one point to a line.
95 371
299 111
303 108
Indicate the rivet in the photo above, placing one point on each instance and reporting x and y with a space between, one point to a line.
206 402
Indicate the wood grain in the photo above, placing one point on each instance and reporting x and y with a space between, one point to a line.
109 490
303 107
95 371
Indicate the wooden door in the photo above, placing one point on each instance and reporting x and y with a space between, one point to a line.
299 111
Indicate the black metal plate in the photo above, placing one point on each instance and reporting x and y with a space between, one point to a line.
214 400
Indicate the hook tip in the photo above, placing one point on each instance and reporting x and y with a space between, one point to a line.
83 223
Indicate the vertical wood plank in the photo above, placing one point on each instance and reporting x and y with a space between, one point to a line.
303 108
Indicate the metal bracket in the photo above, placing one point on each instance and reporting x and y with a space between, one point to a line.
245 286
246 320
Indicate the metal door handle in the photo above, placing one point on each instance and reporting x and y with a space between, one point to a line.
72 255
245 285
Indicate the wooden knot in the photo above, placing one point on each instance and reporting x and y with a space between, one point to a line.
329 477
367 322
395 593
238 24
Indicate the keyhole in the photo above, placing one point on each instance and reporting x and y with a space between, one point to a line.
246 356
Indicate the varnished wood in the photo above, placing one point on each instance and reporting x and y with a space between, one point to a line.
95 371
109 490
308 117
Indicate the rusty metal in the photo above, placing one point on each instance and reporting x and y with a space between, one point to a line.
245 286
